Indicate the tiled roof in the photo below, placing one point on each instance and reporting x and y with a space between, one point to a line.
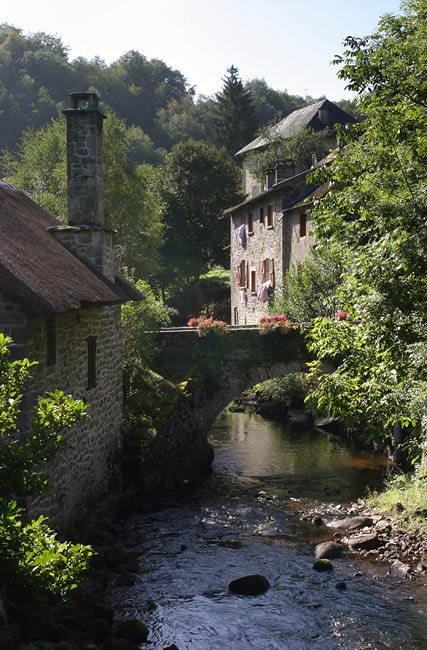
39 271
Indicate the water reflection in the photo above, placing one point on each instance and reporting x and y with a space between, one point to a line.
264 473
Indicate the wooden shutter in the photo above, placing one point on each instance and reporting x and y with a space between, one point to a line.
247 275
272 271
239 275
263 278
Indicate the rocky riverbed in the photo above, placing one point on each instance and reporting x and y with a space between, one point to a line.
372 535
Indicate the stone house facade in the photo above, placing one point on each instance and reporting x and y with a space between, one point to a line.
60 300
271 229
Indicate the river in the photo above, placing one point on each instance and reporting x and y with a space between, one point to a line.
247 518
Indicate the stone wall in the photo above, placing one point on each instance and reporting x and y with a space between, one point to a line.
295 247
83 471
264 243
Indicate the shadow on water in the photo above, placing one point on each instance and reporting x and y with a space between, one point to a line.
246 519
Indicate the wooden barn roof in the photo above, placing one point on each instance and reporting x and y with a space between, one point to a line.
39 271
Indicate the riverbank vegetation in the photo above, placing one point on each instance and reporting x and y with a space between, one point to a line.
38 571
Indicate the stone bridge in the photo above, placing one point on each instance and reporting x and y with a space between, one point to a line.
212 371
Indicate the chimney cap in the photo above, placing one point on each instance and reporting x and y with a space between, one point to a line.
84 101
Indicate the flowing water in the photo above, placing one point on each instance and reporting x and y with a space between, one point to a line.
245 519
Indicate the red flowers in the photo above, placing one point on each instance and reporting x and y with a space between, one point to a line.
341 315
206 325
278 322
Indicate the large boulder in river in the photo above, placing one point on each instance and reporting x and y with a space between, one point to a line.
351 523
249 585
328 550
367 542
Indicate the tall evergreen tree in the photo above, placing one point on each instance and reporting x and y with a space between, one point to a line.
235 115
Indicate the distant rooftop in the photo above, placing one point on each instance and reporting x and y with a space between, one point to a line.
318 116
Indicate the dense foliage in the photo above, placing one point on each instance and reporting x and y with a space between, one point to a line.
35 567
299 149
309 289
199 181
376 212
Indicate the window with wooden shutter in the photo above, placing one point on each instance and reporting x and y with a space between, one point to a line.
303 225
261 215
263 272
239 275
272 272
269 216
253 281
247 275
250 223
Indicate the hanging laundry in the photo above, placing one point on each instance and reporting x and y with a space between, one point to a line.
262 293
241 234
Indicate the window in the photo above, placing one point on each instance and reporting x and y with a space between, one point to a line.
261 215
242 274
253 281
91 361
267 271
250 223
235 316
303 225
51 341
269 216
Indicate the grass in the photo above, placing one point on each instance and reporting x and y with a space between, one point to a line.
405 499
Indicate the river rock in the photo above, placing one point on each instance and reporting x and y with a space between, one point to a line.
368 542
323 564
351 523
252 585
328 550
132 629
399 568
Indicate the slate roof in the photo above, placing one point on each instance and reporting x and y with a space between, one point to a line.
303 117
39 271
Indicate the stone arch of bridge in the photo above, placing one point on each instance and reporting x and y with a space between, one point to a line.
233 384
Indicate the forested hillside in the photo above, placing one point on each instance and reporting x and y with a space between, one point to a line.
36 76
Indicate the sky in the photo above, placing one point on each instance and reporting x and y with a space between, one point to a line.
289 43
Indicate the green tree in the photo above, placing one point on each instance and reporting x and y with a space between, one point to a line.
131 200
272 105
376 213
36 568
199 181
235 117
309 289
299 149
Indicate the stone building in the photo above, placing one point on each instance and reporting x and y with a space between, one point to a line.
270 229
60 300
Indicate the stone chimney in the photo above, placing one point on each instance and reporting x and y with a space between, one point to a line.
85 234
